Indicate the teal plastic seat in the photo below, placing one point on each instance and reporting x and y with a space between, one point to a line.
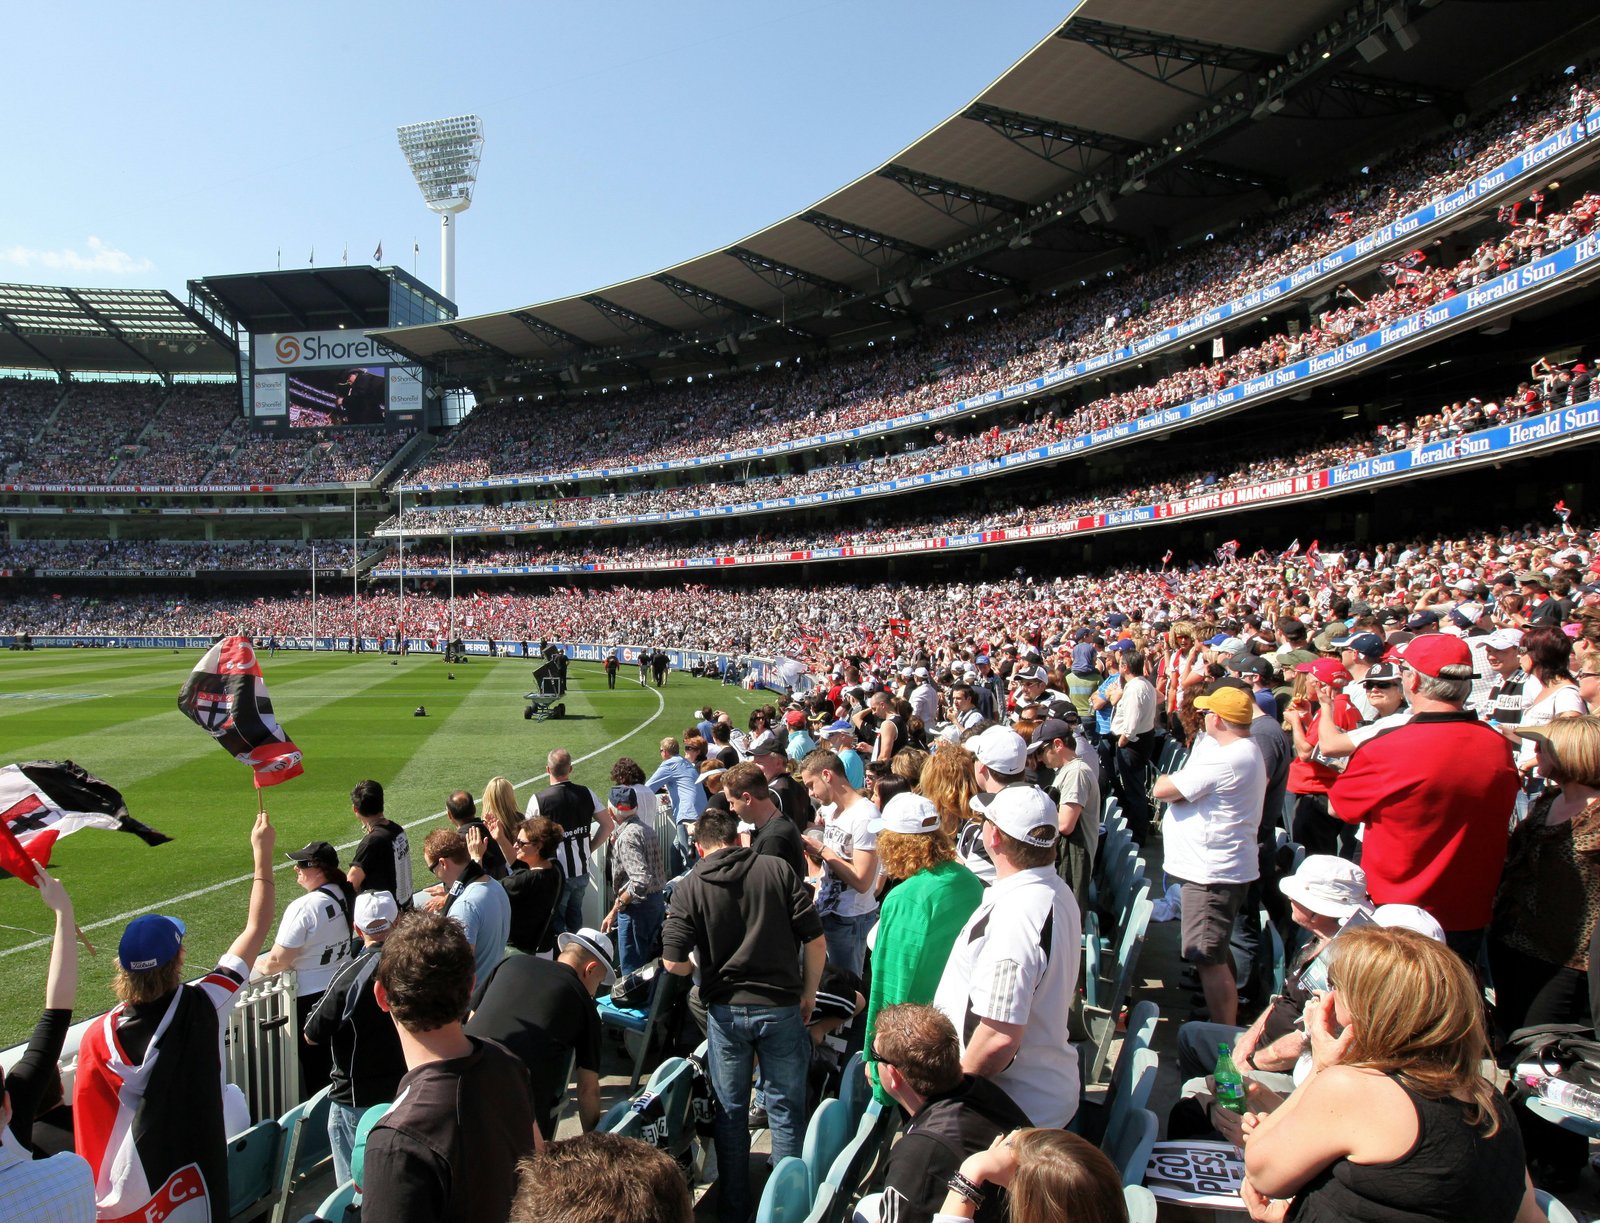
1140 1203
1129 1143
826 1136
787 1196
855 1089
306 1147
253 1180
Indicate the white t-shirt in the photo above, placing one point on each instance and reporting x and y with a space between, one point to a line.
1373 729
314 926
1551 703
1209 835
1016 961
847 830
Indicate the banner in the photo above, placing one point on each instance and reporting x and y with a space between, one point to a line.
1533 161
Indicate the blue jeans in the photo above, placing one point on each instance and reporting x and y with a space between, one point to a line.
847 940
342 1120
737 1036
638 928
568 917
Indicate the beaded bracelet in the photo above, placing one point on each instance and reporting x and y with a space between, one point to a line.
966 1189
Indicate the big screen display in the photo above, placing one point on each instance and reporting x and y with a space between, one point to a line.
329 379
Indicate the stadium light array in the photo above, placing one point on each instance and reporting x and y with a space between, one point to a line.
443 155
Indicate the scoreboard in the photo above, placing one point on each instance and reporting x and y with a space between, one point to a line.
329 379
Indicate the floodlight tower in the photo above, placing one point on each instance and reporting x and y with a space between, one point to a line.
443 155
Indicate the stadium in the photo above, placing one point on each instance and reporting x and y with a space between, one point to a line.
1203 347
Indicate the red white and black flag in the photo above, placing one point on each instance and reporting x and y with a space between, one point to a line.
226 696
45 800
899 628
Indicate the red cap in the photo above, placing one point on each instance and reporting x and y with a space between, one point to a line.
1432 651
1327 671
795 718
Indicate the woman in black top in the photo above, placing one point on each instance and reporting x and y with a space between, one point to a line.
1395 1123
534 885
34 1083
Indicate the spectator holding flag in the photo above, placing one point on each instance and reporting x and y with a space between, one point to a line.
147 1104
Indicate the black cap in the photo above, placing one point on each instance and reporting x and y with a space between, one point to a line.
318 853
1049 731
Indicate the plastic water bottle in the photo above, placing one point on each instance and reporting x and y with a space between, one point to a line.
1230 1083
1568 1097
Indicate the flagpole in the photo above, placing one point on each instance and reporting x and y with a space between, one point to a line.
452 604
313 598
355 546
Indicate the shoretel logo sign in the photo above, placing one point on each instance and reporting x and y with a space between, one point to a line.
307 349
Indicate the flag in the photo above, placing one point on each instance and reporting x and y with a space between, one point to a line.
1292 550
226 696
345 258
1315 557
313 258
900 628
48 799
1228 550
1167 559
1413 259
377 255
1343 218
1561 510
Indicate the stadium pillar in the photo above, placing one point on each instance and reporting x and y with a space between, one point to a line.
447 256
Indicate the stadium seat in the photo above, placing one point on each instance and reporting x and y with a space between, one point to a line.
645 1031
1104 1027
826 1136
358 1153
673 1084
855 1088
1129 1145
1140 1202
253 1184
343 1205
306 1149
787 1197
1554 1211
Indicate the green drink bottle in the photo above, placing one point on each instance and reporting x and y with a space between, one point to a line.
1230 1083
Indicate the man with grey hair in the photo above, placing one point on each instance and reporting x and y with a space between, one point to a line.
1435 795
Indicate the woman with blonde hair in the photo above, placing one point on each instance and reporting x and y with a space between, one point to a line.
1050 1176
949 782
1395 1120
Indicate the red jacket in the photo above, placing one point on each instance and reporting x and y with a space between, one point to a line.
1436 796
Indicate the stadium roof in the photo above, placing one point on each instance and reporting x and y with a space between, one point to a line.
1136 123
108 330
307 299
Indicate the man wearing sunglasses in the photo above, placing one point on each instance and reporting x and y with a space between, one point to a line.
1383 692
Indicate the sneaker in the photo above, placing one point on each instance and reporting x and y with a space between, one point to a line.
758 1119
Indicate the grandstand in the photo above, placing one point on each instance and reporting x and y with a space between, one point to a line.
1185 325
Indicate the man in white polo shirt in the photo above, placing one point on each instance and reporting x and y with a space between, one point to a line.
1209 834
1009 983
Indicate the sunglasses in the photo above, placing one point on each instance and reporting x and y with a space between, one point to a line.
433 867
874 1056
1587 675
1385 687
521 844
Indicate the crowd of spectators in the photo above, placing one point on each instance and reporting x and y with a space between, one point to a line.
801 400
140 433
173 556
1521 242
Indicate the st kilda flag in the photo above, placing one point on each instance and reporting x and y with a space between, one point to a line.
227 698
48 799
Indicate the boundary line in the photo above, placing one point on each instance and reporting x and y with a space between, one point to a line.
661 707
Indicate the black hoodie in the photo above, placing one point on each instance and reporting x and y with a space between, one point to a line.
746 916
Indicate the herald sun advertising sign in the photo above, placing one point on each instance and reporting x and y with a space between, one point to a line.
320 349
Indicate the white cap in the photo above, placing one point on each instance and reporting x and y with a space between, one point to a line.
375 912
1017 810
1409 917
921 672
908 813
1000 748
1503 639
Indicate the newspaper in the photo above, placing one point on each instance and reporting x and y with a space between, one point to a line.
1196 1174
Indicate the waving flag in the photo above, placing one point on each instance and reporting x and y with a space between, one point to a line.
226 696
1167 559
1228 550
1314 555
1292 550
900 628
1561 510
45 800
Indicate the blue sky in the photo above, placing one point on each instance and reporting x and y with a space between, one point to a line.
152 143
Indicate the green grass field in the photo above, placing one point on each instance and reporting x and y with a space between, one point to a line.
115 713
